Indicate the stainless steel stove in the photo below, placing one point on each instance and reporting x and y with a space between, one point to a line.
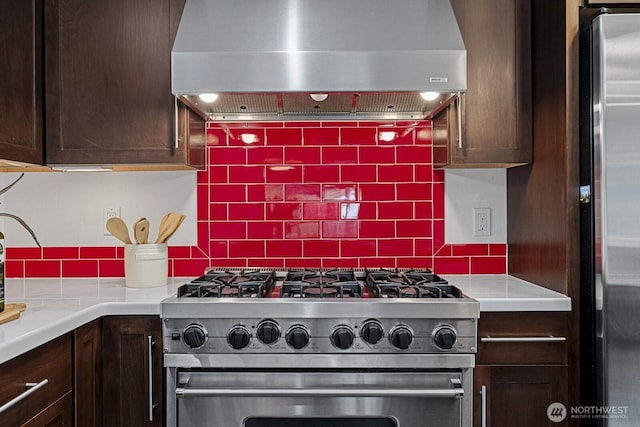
296 347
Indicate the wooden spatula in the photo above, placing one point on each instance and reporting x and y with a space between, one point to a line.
141 231
118 228
169 224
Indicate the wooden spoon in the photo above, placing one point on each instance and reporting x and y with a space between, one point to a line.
118 228
141 231
168 226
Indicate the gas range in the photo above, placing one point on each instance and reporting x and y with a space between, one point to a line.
319 347
319 311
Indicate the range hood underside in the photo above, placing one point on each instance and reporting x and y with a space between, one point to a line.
337 106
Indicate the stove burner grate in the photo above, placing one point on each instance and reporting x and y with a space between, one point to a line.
395 283
320 276
229 284
321 290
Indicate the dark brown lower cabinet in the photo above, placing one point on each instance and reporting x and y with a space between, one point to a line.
58 414
46 372
521 369
519 395
87 382
132 371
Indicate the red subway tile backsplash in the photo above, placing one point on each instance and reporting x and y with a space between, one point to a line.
395 173
377 155
321 136
339 155
80 268
358 173
302 230
303 194
320 173
267 230
265 155
284 211
284 136
358 135
284 174
302 155
246 174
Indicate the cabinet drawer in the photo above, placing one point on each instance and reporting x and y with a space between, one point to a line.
50 362
523 337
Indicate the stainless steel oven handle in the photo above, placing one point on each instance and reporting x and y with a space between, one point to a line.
33 387
318 392
523 339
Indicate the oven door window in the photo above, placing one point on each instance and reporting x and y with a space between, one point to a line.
320 399
320 422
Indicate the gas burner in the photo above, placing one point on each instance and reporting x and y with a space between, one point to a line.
320 276
418 291
218 277
229 284
252 276
384 283
420 277
320 291
313 290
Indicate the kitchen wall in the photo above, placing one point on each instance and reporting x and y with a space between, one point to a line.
278 194
340 194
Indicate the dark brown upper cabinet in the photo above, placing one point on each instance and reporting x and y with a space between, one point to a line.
493 125
21 81
101 79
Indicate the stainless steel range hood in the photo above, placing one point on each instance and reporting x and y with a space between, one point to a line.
264 58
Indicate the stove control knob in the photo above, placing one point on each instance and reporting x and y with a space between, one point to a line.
238 337
401 337
371 331
297 337
194 336
268 332
444 337
342 337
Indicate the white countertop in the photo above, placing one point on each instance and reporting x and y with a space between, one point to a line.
500 292
58 306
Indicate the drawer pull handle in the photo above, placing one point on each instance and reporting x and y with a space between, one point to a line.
150 373
523 339
460 106
33 387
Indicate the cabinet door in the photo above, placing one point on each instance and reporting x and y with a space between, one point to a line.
58 414
88 374
445 135
40 377
108 81
21 83
519 395
131 345
497 105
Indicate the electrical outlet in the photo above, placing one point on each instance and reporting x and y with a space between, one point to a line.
481 221
107 213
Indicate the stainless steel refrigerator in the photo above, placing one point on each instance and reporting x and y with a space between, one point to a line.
610 219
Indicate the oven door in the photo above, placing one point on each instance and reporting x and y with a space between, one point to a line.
327 398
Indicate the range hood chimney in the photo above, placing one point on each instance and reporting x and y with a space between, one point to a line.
277 59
